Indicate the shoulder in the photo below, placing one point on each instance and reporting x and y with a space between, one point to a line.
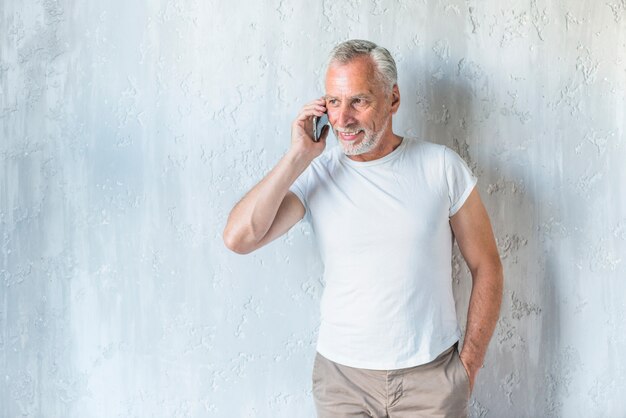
425 151
422 145
431 151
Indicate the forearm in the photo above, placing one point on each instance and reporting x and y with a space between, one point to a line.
252 217
483 313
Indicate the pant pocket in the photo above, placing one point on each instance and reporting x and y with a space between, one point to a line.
463 371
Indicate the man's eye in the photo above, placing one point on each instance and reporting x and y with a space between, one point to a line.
358 102
332 102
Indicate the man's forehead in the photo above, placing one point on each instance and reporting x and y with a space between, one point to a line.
350 87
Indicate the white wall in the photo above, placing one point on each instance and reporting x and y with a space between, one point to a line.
129 129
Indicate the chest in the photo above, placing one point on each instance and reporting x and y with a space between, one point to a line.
352 209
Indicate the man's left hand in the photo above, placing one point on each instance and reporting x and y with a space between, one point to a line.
471 369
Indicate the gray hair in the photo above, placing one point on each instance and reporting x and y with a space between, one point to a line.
386 70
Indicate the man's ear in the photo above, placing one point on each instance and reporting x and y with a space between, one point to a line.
395 99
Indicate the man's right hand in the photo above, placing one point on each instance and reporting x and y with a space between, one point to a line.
302 130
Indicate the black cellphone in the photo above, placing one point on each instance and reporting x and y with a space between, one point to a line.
318 124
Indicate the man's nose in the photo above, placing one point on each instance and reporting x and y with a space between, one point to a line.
344 116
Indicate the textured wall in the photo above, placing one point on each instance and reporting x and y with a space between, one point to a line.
128 131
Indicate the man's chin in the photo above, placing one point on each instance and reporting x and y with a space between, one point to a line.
362 147
354 150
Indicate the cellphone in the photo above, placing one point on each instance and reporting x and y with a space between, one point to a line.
318 124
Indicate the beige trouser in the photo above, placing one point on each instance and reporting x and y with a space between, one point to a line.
436 389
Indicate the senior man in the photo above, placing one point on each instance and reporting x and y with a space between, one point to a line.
385 211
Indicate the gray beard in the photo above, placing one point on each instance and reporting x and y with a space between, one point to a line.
371 140
368 143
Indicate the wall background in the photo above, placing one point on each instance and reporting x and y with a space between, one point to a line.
129 129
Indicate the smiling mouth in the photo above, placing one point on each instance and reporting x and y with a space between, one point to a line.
349 135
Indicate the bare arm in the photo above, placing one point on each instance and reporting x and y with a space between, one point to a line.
474 236
269 209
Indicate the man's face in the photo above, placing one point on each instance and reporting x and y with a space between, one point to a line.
359 108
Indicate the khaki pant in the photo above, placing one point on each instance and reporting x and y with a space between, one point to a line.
436 389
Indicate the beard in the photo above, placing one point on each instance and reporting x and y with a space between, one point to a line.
371 139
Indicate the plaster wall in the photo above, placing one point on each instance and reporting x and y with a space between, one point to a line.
129 129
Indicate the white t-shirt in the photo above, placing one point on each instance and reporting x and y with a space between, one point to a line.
385 238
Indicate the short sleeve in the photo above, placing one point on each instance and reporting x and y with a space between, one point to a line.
300 188
460 180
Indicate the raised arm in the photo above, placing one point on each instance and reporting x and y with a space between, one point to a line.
269 209
474 236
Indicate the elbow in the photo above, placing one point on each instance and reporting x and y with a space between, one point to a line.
234 242
490 271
